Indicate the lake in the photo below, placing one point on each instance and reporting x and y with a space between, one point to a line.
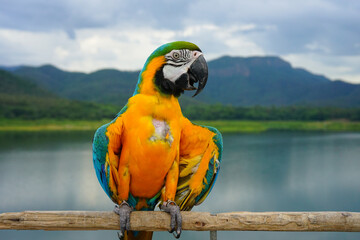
273 171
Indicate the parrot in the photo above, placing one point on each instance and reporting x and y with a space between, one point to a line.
150 154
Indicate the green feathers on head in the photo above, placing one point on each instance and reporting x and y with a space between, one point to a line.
168 47
162 51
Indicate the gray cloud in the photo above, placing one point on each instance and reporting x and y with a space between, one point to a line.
67 15
327 29
282 27
43 15
285 27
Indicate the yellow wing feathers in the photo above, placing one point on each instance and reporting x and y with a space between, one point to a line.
198 153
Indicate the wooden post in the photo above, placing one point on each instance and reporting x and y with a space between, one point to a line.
195 221
213 235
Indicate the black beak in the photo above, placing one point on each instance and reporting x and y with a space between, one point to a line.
198 73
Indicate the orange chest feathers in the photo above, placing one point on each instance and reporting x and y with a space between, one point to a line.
150 141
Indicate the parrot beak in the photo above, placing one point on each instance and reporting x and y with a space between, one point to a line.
198 72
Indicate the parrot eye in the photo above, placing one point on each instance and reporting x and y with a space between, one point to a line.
176 55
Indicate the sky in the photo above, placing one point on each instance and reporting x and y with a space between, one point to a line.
322 36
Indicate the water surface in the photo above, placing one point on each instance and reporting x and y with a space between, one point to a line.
275 171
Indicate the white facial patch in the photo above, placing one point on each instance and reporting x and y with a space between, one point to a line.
172 73
176 67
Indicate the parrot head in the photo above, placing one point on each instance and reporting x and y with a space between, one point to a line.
175 67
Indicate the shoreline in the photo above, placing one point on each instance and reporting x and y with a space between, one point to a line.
224 126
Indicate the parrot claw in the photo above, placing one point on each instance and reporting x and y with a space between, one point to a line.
123 210
120 235
176 220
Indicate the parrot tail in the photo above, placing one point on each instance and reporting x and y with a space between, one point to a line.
130 235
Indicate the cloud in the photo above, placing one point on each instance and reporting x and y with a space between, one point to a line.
69 16
115 47
88 35
288 26
336 67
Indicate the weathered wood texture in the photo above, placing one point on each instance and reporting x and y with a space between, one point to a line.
196 221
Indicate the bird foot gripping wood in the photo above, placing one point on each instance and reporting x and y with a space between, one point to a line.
176 220
123 210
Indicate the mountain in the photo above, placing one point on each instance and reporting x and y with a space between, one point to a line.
21 98
264 81
14 85
268 81
9 68
104 86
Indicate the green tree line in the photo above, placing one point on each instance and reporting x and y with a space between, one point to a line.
32 107
301 113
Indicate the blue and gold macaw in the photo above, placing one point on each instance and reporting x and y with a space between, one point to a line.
150 153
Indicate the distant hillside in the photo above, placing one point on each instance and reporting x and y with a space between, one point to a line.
14 85
20 98
104 86
264 81
268 81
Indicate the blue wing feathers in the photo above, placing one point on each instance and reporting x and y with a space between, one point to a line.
100 145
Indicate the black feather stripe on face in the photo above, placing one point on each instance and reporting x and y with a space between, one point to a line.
165 85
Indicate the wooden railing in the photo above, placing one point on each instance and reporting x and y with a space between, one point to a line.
195 221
